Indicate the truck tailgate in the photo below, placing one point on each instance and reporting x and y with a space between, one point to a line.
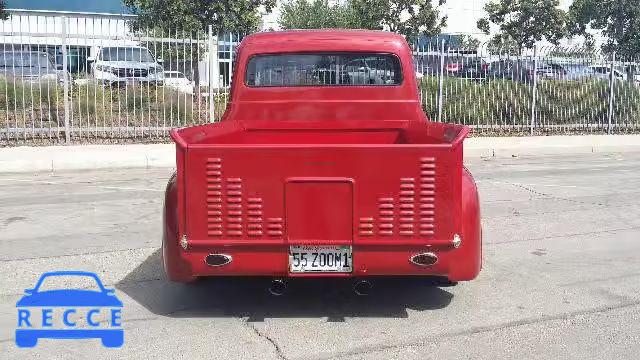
322 194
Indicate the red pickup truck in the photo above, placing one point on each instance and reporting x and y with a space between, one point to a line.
324 164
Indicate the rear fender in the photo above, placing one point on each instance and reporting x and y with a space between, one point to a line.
176 268
469 263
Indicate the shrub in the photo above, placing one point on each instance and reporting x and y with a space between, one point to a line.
505 103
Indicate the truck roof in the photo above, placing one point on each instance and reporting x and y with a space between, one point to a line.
324 40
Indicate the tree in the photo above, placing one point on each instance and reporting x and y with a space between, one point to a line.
316 14
365 14
524 22
197 15
619 21
411 18
468 42
4 15
504 45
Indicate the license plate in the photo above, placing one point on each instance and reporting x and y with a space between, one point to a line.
323 259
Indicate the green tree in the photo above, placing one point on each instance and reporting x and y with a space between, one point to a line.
586 49
197 15
411 18
4 15
468 42
365 14
619 21
524 22
316 14
503 44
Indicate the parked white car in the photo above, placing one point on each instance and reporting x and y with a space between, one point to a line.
123 64
177 80
604 72
634 70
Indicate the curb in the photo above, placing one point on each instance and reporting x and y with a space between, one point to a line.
85 157
501 147
88 157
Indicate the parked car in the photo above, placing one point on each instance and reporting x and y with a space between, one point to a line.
28 66
604 72
463 66
370 70
430 64
474 68
569 72
321 179
123 64
177 80
521 70
633 72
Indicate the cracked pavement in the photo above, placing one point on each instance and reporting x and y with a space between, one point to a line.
561 275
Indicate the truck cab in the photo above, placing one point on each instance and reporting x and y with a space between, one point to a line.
323 165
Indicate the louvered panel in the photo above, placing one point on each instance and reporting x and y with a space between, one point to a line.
234 214
407 200
427 196
386 216
214 198
254 216
365 227
275 226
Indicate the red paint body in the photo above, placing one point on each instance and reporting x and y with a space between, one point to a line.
352 165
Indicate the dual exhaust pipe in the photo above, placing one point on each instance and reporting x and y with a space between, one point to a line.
362 287
278 287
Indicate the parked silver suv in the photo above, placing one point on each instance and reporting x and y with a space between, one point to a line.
122 64
30 66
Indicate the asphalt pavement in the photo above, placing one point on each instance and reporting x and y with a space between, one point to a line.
561 277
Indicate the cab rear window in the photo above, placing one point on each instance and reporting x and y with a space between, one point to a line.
322 69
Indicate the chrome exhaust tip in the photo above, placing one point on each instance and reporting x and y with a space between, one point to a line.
216 260
424 259
362 287
278 287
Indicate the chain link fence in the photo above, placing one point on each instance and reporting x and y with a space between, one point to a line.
102 82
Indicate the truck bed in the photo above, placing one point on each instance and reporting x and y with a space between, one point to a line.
316 185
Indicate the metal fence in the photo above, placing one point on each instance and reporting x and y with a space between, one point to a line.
72 84
547 90
78 82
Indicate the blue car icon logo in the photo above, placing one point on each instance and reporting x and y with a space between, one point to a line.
76 302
